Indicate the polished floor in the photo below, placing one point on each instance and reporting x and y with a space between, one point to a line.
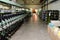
34 29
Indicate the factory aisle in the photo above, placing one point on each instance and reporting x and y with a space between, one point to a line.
34 29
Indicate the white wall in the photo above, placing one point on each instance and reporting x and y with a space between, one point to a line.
54 6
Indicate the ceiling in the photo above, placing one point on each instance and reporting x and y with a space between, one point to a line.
29 2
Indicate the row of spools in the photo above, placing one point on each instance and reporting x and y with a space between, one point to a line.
10 23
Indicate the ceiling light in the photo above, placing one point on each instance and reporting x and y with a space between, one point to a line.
32 1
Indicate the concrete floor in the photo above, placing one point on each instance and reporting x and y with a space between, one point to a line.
34 29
